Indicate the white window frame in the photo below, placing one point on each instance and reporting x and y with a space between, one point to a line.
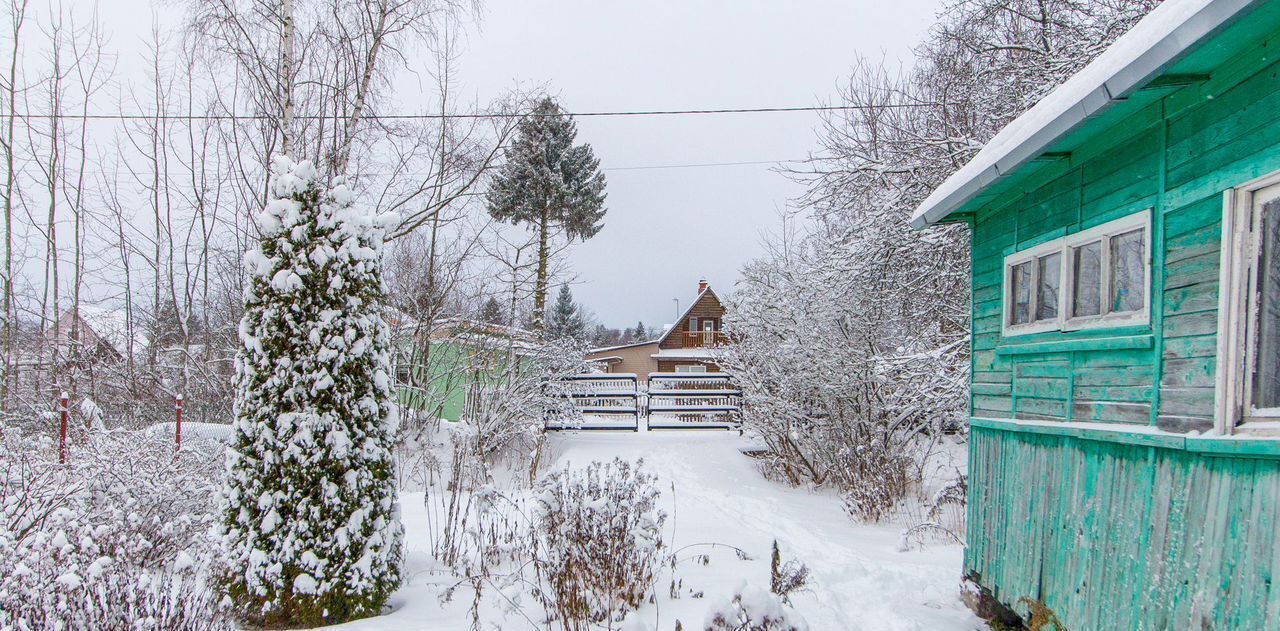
1238 311
1065 247
689 369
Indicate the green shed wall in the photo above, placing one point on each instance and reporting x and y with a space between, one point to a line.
1107 531
1125 536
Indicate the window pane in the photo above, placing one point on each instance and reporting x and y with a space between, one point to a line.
1047 291
1086 290
1128 271
1020 294
1266 377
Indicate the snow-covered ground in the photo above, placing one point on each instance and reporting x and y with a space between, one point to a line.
858 578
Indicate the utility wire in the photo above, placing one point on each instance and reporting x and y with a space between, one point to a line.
692 166
489 115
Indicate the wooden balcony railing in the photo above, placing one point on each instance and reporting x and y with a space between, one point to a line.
704 339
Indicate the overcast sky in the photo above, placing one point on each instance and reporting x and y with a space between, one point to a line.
667 227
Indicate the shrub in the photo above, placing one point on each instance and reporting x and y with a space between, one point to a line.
312 526
116 538
600 540
754 609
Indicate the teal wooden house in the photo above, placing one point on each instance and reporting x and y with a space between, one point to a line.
1125 447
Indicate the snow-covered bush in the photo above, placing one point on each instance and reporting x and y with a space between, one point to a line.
600 542
311 521
116 538
754 609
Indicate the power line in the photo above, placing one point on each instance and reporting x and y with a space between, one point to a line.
478 115
691 166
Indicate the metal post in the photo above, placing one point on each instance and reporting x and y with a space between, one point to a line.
62 434
177 426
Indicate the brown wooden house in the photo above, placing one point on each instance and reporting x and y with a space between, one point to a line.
685 346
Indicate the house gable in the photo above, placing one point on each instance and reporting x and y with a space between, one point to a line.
706 307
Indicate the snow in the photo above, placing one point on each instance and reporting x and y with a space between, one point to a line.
858 580
112 326
1134 58
684 353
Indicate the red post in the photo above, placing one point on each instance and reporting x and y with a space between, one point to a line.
62 434
177 432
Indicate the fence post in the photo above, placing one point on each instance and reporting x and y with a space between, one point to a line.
177 426
62 433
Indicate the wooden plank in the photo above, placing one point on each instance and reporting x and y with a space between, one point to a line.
1192 298
1189 372
1184 347
1126 342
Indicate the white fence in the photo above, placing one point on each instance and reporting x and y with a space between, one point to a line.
693 401
670 401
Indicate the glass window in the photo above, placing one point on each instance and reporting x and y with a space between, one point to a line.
1020 294
1048 286
1094 278
1128 271
1087 286
1266 375
691 368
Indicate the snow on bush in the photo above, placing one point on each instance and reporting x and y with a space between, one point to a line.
116 538
754 609
599 540
310 515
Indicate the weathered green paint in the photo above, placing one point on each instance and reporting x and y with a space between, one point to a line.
1089 489
1126 534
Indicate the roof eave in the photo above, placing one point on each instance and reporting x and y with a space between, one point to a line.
1161 55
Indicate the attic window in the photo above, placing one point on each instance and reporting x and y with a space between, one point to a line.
1095 278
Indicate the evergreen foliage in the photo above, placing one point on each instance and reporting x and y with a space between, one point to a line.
550 184
312 530
492 312
567 321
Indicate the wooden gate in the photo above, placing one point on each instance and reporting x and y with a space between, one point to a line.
670 401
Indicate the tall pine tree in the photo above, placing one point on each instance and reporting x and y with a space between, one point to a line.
550 184
312 529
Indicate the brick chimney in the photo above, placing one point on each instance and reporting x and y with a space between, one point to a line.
702 285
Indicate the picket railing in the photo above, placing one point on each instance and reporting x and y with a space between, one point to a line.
611 401
671 401
693 401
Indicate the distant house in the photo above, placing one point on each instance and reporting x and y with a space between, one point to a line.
1124 458
685 346
96 334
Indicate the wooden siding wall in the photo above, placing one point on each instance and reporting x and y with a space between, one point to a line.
1122 536
1176 157
707 307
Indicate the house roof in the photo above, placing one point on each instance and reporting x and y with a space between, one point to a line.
111 325
1155 44
684 316
605 349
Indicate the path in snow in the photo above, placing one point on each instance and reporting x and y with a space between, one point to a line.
858 580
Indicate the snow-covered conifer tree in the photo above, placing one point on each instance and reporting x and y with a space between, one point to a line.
311 522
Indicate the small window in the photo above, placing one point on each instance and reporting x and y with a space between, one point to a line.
699 368
1099 277
1049 271
1086 297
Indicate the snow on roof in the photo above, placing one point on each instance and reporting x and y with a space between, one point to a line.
605 349
1157 41
112 326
